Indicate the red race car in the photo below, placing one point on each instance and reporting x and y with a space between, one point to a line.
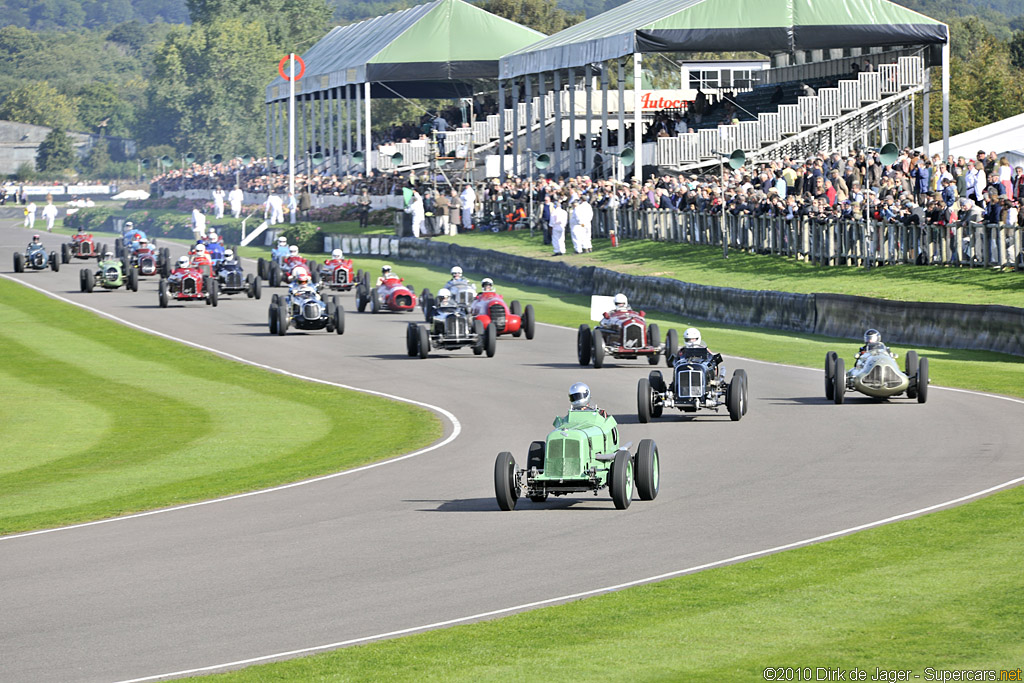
489 307
81 246
389 295
188 282
149 260
622 333
337 273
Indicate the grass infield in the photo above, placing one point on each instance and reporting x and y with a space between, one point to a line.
99 420
704 265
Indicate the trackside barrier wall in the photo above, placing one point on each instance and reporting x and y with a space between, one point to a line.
989 328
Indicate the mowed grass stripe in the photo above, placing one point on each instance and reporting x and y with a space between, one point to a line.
182 425
941 591
977 370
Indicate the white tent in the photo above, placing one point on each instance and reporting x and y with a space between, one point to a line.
1005 138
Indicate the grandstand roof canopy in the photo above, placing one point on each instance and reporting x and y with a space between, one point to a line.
430 50
726 25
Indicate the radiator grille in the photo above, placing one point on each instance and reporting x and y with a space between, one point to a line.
562 459
311 310
882 377
497 314
689 383
456 326
188 285
110 274
633 336
403 301
233 279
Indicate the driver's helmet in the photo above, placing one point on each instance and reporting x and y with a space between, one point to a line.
128 226
108 256
229 254
212 236
143 243
200 249
456 273
443 296
81 229
293 250
336 253
620 301
385 271
35 239
487 284
282 241
579 395
691 337
183 262
872 336
301 275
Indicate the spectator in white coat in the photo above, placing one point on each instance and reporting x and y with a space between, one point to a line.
468 202
559 219
50 214
198 224
218 202
582 222
273 209
235 200
415 209
30 215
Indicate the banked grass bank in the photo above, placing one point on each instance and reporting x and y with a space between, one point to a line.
943 325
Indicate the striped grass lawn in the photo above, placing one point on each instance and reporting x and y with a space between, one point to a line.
99 420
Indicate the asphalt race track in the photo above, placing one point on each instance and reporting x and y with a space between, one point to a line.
421 541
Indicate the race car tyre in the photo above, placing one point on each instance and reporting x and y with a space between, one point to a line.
19 262
742 374
910 366
366 278
422 341
839 380
90 281
374 301
282 319
275 299
314 276
65 253
359 276
165 255
133 279
491 339
830 364
597 342
621 482
54 262
214 294
922 380
648 476
481 340
505 489
339 320
101 252
361 298
658 385
644 399
735 397
161 290
272 319
529 321
165 267
118 248
584 342
425 302
257 288
81 279
671 347
261 268
249 285
515 308
206 288
411 339
653 335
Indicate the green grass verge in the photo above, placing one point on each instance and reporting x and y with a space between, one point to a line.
99 420
940 591
705 265
978 370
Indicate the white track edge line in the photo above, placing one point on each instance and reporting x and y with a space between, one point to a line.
456 425
582 594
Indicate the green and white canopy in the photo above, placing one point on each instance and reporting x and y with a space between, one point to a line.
427 50
726 25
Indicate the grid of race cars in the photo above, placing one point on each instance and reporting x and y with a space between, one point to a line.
583 452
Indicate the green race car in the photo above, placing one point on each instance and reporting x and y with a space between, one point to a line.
583 453
111 273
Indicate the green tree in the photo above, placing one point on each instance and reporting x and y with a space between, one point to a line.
97 161
39 104
56 154
540 15
17 42
101 106
292 25
1017 50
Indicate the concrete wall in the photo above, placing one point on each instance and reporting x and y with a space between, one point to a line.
19 141
990 328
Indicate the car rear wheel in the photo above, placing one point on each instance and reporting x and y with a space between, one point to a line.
529 321
584 340
261 268
65 253
516 308
374 301
622 480
736 397
282 319
830 364
428 306
481 340
648 475
90 281
81 279
54 262
361 298
922 380
491 339
411 339
161 290
505 489
742 374
644 399
257 289
598 349
248 285
653 335
339 319
423 340
671 347
272 318
133 279
19 262
657 385
838 380
214 293
274 278
911 365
